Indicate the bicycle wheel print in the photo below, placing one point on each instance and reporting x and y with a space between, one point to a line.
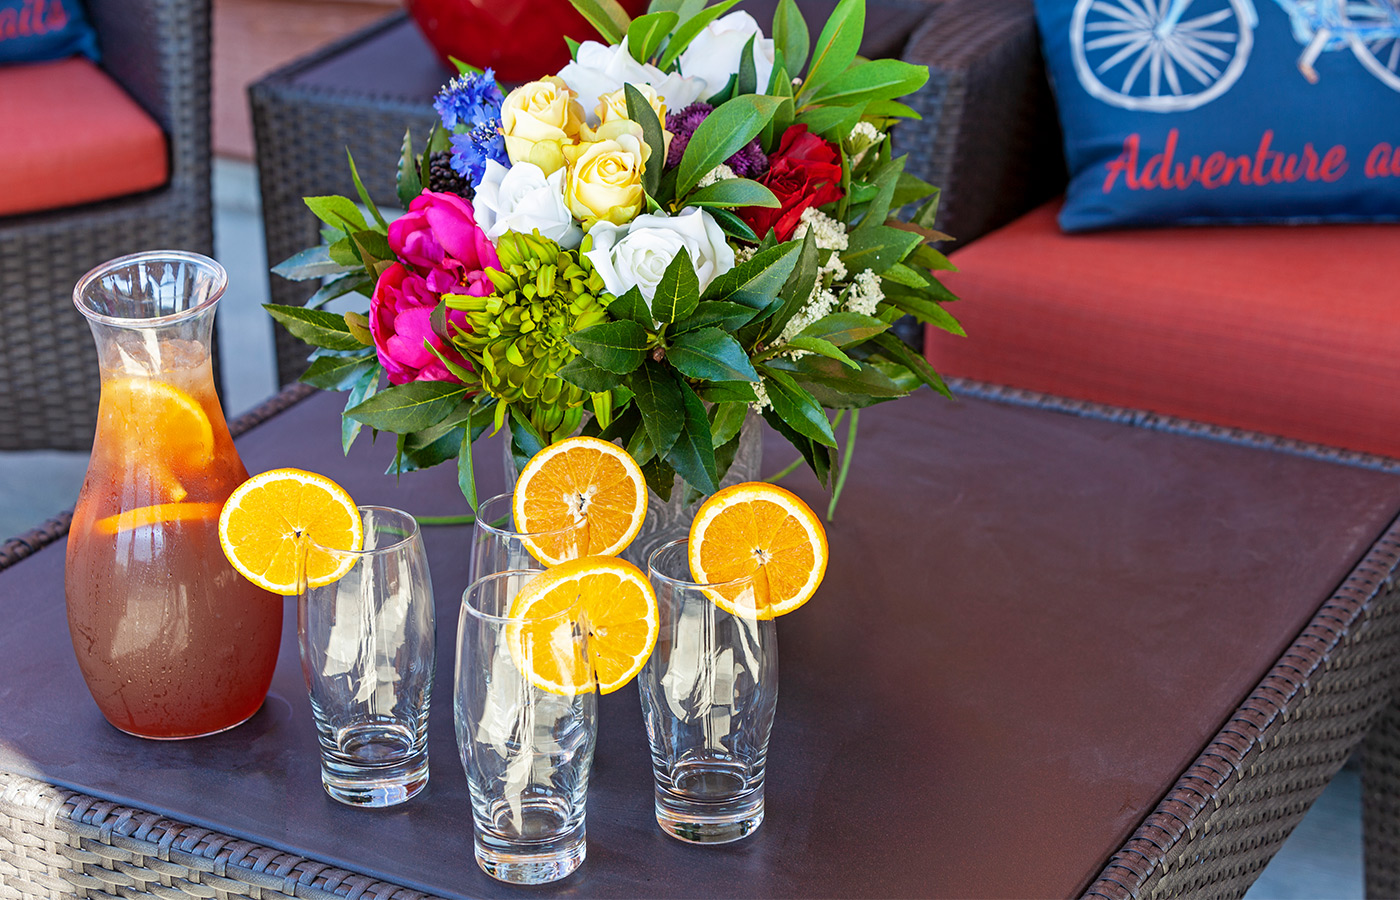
1161 55
1375 40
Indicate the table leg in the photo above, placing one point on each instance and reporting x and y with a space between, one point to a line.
1380 811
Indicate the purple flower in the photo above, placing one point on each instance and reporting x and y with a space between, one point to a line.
749 162
469 100
683 124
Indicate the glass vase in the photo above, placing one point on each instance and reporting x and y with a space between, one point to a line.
172 642
669 519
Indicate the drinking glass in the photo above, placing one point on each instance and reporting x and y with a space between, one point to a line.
367 651
527 751
497 546
708 691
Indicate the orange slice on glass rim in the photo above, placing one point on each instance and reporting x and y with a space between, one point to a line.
762 550
583 482
266 517
611 598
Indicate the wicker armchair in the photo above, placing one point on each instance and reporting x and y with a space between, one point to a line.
158 50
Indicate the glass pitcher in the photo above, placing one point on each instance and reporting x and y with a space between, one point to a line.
172 642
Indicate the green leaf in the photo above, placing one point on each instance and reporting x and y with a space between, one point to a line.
640 111
901 274
645 34
660 477
772 133
727 392
734 192
723 133
887 177
790 35
411 458
909 189
359 393
925 310
878 247
819 458
615 346
796 406
710 355
693 453
732 225
337 212
678 292
584 374
659 400
836 387
409 407
315 326
797 290
573 46
343 251
880 79
822 348
747 82
339 287
373 248
890 109
927 214
900 352
525 441
607 17
728 420
313 262
845 328
338 373
631 306
720 313
408 183
831 122
929 258
466 469
688 29
837 46
756 283
364 194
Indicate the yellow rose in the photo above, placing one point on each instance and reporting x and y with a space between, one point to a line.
538 120
605 175
613 107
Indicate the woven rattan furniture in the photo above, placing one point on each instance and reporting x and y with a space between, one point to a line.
361 94
1091 650
158 50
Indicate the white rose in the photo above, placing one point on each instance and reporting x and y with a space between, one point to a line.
716 52
598 69
637 254
522 198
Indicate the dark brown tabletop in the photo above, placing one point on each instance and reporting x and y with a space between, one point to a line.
1031 625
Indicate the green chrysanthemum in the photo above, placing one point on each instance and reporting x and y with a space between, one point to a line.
519 334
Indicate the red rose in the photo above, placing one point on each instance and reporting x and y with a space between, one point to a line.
805 171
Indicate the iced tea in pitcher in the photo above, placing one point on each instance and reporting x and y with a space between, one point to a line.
171 640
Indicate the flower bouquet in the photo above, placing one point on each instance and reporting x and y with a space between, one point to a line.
688 223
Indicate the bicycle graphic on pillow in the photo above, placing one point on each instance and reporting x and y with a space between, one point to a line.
1174 55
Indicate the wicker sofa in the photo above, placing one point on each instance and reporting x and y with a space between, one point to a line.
158 51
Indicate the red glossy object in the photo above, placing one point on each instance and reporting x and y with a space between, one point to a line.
521 39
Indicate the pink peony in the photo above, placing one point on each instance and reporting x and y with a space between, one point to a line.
400 318
439 235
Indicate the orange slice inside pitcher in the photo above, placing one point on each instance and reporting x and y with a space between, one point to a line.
161 429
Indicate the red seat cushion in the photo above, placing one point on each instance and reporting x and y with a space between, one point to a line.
1293 331
71 135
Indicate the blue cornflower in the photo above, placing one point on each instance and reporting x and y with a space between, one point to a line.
469 101
471 150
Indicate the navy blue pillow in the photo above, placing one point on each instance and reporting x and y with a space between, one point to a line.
37 30
1197 111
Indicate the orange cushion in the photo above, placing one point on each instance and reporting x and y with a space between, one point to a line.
71 135
1293 331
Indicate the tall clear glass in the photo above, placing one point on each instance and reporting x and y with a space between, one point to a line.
709 691
527 751
368 647
172 642
497 546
